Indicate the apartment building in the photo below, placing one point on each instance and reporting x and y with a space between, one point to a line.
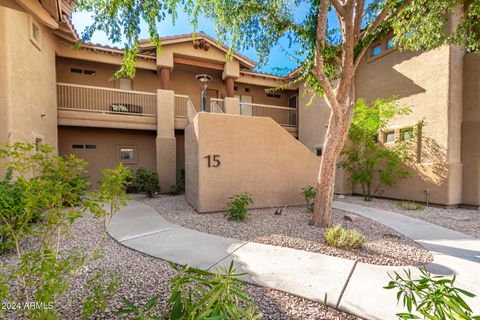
268 143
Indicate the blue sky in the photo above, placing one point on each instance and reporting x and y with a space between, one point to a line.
278 59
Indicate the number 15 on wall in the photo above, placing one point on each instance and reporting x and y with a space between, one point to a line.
213 160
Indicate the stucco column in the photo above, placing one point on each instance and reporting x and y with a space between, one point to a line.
165 78
165 141
230 86
232 105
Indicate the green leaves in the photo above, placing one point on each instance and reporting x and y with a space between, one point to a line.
309 193
198 294
369 162
432 297
236 207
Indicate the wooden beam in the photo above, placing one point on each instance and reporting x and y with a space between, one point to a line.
198 63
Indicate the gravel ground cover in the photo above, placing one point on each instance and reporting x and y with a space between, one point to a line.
463 220
383 245
144 277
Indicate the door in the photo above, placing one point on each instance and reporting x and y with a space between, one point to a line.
292 115
210 94
245 105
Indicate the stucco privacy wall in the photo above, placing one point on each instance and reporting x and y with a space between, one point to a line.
471 130
107 141
420 80
28 107
255 155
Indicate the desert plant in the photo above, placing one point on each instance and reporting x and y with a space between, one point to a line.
179 187
340 237
49 189
432 297
147 181
146 311
236 207
198 294
370 164
409 205
309 193
102 288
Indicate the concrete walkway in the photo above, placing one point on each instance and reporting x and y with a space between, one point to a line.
345 284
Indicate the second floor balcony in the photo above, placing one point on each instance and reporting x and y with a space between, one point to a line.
80 105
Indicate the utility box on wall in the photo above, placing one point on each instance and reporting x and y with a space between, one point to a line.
229 154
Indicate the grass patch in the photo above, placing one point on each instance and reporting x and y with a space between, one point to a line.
341 237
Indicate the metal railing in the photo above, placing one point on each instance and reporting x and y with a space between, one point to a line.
105 100
217 105
181 105
284 116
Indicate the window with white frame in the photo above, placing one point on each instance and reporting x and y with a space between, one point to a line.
35 33
389 136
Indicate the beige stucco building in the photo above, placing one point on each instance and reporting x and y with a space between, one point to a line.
53 93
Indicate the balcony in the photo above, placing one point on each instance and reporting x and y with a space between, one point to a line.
90 106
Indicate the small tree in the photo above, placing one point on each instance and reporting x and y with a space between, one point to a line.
370 163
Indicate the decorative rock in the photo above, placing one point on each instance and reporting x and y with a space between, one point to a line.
352 217
341 196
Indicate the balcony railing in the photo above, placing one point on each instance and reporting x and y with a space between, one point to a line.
217 105
105 100
284 116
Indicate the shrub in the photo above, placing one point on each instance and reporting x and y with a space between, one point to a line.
340 237
198 294
309 193
147 182
236 207
409 205
370 164
47 188
434 297
180 187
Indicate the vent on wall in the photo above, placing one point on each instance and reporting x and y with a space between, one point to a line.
274 95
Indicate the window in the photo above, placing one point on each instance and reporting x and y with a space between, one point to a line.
389 136
78 70
274 95
390 43
84 146
318 151
35 33
376 50
127 154
406 134
125 84
375 138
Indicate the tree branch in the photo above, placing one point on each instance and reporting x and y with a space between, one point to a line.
339 8
357 23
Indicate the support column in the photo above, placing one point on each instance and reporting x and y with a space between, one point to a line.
165 141
165 78
230 86
232 105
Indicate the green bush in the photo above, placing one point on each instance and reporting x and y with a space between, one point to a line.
309 193
433 297
43 188
370 163
409 205
198 294
236 207
147 181
180 187
340 237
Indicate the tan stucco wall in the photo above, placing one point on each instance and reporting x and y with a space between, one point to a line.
471 130
107 141
420 80
257 156
28 95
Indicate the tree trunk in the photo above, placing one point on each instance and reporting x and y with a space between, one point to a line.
335 138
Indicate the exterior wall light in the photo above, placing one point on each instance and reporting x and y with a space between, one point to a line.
203 80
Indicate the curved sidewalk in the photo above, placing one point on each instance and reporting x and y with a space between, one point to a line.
356 288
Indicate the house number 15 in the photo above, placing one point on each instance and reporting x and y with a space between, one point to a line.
213 160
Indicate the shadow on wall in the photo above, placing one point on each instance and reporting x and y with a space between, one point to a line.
433 160
382 79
